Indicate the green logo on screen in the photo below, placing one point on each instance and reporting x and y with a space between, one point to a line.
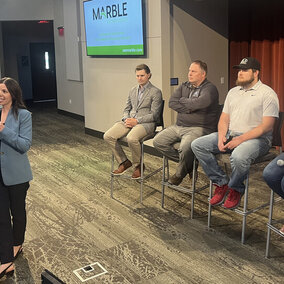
110 11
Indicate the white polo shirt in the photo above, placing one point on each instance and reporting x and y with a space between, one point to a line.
247 107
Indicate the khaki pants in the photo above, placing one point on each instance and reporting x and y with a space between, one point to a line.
133 136
165 140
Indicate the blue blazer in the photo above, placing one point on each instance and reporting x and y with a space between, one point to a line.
16 139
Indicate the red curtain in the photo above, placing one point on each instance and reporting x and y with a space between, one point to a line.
261 35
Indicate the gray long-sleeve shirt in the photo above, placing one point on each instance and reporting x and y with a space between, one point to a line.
196 106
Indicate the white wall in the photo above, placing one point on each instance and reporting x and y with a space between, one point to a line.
173 42
70 94
72 35
192 40
21 10
107 81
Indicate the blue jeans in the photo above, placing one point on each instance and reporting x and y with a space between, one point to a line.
274 175
205 148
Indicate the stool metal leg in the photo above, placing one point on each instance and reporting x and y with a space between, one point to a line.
168 169
269 223
142 173
111 175
210 206
193 188
245 210
165 160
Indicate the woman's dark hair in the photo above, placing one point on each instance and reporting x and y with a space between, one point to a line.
15 92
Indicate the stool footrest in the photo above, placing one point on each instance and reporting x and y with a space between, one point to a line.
275 230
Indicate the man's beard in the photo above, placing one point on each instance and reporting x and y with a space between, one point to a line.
244 83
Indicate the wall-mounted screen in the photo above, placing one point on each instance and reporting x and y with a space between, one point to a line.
114 27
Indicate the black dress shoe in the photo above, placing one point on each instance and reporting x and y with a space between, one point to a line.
174 180
9 273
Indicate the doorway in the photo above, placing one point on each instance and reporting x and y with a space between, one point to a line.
18 36
42 58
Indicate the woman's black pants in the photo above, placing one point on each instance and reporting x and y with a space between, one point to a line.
13 218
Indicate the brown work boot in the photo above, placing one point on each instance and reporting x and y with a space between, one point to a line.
175 180
122 168
137 172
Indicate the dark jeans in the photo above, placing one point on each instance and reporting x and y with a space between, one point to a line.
12 218
274 175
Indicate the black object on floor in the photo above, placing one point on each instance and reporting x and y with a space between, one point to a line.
48 278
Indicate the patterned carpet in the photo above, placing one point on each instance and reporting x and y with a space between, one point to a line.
73 222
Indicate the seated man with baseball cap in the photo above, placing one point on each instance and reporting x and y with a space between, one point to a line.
244 130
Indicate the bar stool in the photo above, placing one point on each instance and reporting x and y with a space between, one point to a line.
191 191
271 223
180 188
143 177
225 159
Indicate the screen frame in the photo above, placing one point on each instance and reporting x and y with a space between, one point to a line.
127 55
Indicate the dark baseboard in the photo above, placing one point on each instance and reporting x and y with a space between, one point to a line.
147 149
95 133
39 105
71 114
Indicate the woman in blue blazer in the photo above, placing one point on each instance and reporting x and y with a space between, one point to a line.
15 141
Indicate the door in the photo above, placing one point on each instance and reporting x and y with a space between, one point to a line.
43 71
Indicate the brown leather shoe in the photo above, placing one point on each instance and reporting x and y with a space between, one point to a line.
174 180
122 168
137 172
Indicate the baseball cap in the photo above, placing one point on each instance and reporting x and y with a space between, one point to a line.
248 63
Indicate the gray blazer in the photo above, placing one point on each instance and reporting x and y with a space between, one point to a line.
16 139
148 110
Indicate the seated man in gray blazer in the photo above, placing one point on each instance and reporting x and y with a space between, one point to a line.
140 115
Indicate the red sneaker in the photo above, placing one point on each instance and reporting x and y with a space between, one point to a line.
233 200
220 194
